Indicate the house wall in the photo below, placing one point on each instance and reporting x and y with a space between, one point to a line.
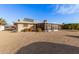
55 26
2 27
34 27
19 27
40 25
48 26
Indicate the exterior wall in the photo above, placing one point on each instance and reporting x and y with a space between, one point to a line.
2 27
55 27
34 27
43 26
40 25
48 26
19 27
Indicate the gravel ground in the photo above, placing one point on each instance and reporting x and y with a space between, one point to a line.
11 42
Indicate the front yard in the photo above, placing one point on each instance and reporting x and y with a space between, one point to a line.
12 42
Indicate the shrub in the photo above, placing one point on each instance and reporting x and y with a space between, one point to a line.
39 30
26 30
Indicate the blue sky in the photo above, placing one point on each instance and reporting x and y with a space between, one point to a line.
54 13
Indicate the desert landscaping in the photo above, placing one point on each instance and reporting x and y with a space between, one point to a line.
12 42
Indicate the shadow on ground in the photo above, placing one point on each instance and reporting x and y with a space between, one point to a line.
72 36
48 48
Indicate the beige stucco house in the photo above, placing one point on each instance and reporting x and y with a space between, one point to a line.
30 25
24 24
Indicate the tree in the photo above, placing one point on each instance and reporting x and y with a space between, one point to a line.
77 27
73 26
2 21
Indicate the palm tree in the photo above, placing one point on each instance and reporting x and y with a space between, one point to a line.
2 21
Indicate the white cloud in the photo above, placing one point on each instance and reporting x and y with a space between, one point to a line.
67 8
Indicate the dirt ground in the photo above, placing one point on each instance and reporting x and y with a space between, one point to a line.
11 42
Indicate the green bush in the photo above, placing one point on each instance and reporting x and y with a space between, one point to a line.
26 30
39 30
71 26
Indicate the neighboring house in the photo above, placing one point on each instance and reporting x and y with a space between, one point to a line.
2 27
29 24
10 27
2 24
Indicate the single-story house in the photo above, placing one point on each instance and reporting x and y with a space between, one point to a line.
30 25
